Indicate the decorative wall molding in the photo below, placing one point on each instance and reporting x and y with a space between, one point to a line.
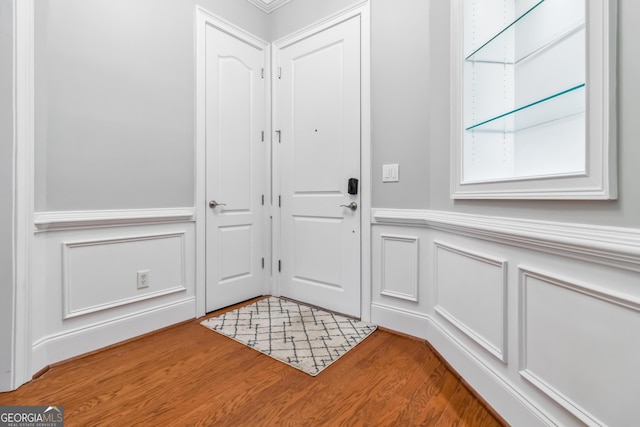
70 343
612 246
612 336
68 220
268 6
407 263
123 290
504 397
477 324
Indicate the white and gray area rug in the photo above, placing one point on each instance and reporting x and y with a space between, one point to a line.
303 337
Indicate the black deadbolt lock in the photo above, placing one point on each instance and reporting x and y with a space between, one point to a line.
353 186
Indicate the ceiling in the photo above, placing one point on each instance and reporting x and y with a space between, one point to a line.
269 5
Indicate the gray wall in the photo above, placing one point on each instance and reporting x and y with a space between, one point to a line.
400 101
421 144
6 190
115 100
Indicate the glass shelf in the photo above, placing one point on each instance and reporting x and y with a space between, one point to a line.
502 48
560 105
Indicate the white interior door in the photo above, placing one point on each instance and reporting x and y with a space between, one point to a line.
319 120
235 91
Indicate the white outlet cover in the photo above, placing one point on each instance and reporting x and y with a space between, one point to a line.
390 173
143 279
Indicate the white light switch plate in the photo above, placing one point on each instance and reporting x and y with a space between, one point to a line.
390 173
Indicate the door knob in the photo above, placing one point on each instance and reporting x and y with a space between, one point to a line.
353 206
213 204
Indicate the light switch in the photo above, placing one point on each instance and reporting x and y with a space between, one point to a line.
390 173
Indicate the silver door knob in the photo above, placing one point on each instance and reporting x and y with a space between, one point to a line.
213 204
353 206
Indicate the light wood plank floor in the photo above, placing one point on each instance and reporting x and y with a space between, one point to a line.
188 375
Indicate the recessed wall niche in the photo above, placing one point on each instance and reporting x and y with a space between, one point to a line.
532 97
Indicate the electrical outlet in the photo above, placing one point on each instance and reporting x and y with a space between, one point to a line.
143 279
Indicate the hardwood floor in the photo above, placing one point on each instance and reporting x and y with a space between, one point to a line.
189 375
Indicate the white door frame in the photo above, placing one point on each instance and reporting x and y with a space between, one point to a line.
24 188
204 18
359 9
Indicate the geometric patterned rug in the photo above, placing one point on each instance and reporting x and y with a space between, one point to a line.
304 337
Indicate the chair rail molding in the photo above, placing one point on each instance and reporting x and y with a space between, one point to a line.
617 247
67 220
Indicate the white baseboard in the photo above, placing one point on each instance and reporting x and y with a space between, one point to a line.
408 322
72 343
497 392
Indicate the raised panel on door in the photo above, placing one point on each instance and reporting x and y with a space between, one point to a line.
319 110
234 124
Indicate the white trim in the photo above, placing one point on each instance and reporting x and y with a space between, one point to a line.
603 294
510 402
500 352
414 241
203 18
362 9
68 313
68 220
612 246
267 211
599 181
70 343
600 293
275 183
268 6
366 186
23 196
562 400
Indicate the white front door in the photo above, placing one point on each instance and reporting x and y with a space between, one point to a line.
235 119
319 150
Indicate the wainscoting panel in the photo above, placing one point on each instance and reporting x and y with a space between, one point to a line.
400 266
579 345
561 300
471 291
85 292
102 274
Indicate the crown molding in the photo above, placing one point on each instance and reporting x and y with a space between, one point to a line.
268 6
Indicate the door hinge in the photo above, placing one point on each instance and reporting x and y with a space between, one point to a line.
263 200
279 72
262 136
262 73
279 136
279 201
263 263
279 266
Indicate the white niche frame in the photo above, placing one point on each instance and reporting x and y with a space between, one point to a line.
600 180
